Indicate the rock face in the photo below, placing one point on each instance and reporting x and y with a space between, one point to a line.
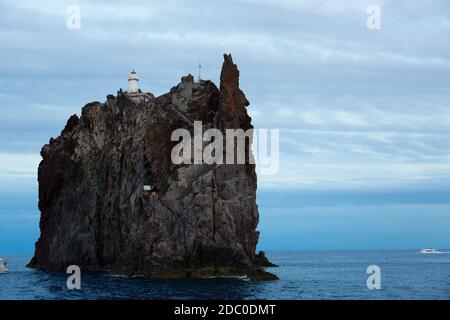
198 220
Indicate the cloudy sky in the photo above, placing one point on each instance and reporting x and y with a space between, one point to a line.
364 115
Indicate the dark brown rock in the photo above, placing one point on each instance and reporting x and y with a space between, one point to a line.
95 214
263 261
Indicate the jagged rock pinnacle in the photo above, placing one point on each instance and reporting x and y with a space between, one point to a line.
199 220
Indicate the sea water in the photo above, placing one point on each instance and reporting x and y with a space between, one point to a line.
303 275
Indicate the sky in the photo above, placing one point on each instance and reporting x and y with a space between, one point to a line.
364 115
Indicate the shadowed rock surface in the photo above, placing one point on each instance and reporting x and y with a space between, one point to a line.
95 214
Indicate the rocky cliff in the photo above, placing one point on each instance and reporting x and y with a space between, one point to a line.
197 220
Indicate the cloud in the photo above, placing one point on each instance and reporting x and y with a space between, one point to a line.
16 164
321 7
356 107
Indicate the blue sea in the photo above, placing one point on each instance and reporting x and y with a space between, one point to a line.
303 275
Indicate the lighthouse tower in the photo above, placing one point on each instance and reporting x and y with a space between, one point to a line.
133 82
134 93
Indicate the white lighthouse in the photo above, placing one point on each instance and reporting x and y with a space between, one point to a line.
133 82
134 93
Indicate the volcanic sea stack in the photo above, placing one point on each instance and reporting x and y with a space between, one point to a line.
190 220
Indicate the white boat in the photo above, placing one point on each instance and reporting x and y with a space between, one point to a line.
429 250
3 266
